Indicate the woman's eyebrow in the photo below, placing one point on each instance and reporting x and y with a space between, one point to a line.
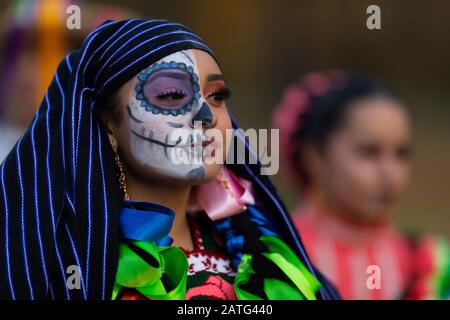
215 77
168 74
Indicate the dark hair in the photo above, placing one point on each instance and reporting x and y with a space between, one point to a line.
107 105
325 109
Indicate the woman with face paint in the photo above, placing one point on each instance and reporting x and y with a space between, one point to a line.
111 192
347 143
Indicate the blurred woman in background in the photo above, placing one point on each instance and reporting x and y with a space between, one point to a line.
346 139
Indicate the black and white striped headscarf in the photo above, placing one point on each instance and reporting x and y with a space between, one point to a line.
59 195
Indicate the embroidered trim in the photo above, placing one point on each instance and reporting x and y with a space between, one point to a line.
214 287
204 260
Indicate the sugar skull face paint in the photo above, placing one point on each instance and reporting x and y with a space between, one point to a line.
168 88
167 114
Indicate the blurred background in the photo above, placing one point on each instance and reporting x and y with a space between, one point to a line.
263 46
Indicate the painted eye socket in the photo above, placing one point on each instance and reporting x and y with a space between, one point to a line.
167 88
170 89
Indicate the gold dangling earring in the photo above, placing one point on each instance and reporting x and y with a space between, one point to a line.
121 176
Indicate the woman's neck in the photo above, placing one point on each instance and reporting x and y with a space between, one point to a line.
173 196
318 202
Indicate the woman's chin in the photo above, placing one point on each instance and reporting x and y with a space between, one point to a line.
210 173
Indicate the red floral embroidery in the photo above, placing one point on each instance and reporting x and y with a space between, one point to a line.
214 287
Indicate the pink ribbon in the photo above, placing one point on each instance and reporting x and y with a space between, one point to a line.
224 196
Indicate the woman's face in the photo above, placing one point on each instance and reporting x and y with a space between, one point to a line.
366 163
174 119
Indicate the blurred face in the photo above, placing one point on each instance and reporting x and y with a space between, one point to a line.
169 111
366 164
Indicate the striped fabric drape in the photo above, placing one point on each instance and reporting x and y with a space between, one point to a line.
59 196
